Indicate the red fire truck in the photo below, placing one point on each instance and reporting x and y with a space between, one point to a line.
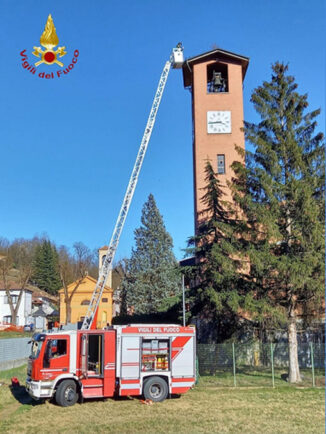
149 360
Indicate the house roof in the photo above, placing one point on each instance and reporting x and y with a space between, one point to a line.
216 54
82 288
55 313
39 312
38 293
187 262
17 289
37 301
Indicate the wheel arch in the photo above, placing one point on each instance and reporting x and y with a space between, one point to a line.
67 377
165 377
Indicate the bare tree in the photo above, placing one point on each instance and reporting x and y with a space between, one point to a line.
73 268
17 257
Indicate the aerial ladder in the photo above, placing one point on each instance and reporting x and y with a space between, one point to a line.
176 61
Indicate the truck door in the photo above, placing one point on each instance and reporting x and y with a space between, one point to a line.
130 366
109 362
56 357
130 357
83 356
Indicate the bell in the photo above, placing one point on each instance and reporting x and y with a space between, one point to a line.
217 79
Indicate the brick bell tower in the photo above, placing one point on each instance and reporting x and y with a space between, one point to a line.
215 80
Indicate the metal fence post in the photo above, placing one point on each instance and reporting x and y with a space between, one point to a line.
272 363
234 377
197 370
312 364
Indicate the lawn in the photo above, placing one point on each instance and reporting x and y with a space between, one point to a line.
11 334
247 376
205 409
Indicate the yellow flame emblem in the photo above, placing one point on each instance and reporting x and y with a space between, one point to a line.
48 40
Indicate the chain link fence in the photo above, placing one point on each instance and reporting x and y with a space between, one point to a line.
14 352
257 364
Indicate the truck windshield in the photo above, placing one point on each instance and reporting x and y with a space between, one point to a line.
37 343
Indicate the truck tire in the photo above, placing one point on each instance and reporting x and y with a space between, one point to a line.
155 389
66 394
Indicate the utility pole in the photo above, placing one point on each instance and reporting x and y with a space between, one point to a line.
183 301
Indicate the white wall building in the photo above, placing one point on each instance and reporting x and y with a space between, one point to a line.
24 310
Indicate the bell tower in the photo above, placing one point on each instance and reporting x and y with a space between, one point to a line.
215 80
102 251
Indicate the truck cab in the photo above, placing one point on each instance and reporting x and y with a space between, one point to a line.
50 362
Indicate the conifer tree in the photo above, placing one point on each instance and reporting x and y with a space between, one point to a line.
46 268
151 272
216 296
281 194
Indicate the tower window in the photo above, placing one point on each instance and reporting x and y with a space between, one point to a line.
221 164
217 78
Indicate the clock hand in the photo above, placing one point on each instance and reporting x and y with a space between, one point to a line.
216 122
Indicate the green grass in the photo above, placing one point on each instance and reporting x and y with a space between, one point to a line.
204 409
262 377
9 335
15 372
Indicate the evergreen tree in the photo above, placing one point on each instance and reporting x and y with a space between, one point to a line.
46 268
216 296
151 273
281 194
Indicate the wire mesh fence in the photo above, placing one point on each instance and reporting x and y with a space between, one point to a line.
258 364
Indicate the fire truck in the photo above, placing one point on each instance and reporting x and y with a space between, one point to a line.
138 359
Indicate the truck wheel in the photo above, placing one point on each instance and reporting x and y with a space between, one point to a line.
155 389
66 394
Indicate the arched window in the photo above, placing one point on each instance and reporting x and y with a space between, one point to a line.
103 259
85 302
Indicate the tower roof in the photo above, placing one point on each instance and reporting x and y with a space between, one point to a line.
218 55
104 248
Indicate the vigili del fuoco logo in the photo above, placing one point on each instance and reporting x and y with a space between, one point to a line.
49 56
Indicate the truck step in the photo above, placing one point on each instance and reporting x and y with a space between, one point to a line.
93 391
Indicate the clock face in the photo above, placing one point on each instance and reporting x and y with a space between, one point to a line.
218 122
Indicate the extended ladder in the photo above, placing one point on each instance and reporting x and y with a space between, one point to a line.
176 61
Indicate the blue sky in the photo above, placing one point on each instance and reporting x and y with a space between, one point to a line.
68 144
